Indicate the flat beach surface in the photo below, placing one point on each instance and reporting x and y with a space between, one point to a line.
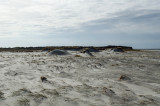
105 79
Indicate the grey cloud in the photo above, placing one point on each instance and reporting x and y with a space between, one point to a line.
136 28
127 19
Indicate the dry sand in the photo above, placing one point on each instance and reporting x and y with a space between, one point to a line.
105 79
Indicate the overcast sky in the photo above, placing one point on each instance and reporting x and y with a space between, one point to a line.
80 22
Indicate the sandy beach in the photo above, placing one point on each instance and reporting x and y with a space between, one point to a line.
105 78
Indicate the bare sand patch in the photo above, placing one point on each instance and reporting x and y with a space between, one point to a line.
105 79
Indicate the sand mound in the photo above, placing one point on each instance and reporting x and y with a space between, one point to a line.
89 50
58 52
92 49
88 53
117 50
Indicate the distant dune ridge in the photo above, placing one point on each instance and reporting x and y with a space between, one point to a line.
73 48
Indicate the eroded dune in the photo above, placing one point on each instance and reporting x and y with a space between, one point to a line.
104 79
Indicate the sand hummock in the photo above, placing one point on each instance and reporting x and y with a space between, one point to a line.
105 79
58 52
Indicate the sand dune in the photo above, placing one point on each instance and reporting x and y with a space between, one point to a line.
105 79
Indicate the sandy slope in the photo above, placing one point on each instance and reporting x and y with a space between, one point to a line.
80 80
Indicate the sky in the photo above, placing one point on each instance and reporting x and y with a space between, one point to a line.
25 23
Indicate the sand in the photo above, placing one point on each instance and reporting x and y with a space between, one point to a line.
105 79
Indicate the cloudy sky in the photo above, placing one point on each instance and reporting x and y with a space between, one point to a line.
80 22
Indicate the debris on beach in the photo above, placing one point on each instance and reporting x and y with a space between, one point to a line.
43 79
124 77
